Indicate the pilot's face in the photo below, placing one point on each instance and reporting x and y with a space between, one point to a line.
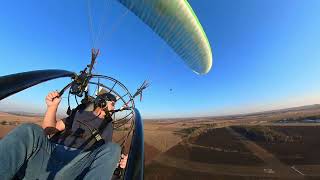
111 105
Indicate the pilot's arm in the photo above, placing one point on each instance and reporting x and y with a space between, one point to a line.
50 123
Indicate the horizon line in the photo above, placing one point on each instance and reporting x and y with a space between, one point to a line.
32 113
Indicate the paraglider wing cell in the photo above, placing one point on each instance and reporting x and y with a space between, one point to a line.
176 23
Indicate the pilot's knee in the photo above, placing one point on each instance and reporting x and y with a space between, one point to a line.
29 130
111 148
31 127
115 148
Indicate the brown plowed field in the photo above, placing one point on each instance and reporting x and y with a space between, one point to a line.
215 146
189 149
303 152
150 153
157 171
222 154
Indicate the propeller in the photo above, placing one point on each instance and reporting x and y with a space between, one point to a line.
144 85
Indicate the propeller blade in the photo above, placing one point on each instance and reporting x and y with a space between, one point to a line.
144 85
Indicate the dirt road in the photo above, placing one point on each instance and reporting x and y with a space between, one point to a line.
221 169
272 162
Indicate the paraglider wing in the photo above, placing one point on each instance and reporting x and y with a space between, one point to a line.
176 23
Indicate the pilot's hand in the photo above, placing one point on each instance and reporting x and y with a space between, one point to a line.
53 99
123 161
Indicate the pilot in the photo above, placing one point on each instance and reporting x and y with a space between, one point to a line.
80 146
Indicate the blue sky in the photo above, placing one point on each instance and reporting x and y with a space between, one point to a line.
266 54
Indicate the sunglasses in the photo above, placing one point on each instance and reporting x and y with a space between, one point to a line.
112 103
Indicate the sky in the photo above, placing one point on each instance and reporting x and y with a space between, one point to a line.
266 54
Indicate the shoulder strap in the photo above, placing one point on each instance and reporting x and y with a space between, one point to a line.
96 135
70 119
61 135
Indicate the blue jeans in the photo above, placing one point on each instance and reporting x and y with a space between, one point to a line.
26 151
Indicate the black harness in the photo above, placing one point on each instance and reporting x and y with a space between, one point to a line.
92 141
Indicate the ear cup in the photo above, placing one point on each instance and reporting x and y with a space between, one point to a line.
100 102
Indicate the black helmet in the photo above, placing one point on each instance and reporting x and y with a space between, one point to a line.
108 97
102 97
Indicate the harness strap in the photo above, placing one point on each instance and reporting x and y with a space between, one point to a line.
60 137
96 134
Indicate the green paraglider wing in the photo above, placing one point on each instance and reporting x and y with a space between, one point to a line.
176 23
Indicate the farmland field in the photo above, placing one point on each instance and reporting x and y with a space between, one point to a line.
266 146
